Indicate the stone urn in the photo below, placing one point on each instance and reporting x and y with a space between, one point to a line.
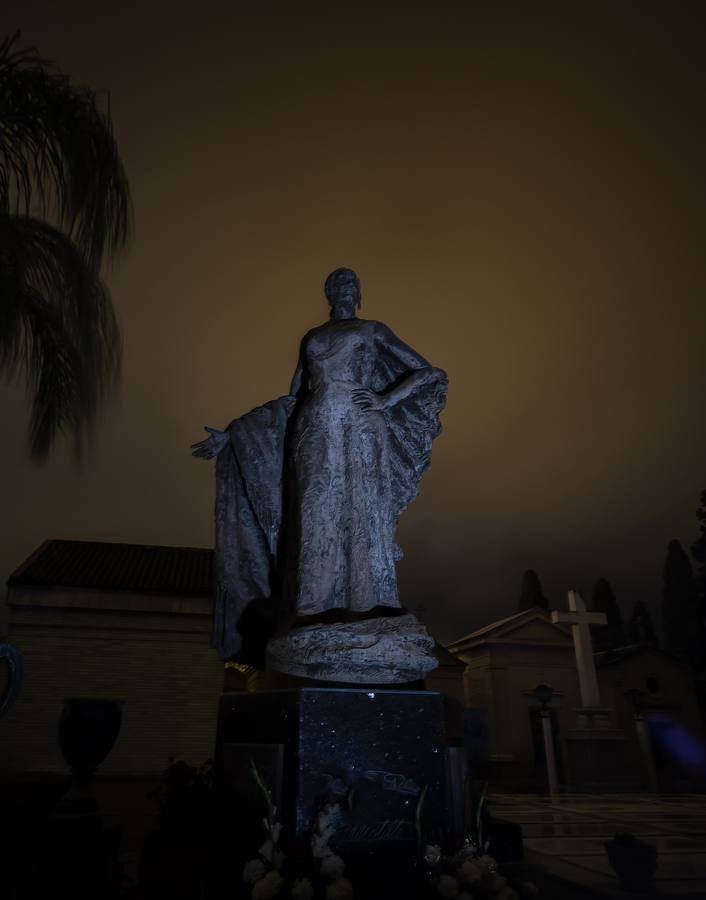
88 729
13 658
633 860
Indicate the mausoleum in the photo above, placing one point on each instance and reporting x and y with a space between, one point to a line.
121 621
507 659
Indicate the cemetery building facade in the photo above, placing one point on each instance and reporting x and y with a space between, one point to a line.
132 622
506 659
118 621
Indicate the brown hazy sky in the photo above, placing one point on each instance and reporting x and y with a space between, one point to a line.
521 188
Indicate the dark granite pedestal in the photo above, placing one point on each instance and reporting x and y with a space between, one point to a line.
377 753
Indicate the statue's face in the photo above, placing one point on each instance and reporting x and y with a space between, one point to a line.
346 294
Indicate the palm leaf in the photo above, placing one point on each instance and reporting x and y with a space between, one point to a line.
57 147
57 325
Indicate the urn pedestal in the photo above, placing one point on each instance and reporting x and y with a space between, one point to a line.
74 852
633 860
377 754
88 729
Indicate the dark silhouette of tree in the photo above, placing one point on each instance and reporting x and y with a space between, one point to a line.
612 634
698 551
698 643
683 625
531 593
640 629
64 206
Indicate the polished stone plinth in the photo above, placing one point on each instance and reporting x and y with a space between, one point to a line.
378 754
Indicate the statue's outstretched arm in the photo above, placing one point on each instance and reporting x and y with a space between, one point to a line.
219 440
212 445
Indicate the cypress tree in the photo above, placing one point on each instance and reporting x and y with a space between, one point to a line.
611 635
698 645
640 629
680 605
698 551
531 593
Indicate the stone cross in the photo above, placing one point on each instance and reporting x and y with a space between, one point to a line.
580 620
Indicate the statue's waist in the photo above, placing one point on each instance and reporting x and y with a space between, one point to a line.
335 385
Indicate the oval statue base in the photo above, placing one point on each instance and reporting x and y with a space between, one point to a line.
385 650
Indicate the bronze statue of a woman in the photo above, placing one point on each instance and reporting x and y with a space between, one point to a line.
309 491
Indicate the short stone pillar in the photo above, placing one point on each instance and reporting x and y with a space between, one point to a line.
543 693
635 698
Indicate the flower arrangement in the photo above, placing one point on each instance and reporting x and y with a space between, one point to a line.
264 871
471 874
185 796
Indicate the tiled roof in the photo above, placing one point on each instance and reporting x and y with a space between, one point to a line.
121 567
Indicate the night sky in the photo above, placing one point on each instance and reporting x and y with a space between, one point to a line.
521 188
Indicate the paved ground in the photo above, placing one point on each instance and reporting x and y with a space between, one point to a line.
567 836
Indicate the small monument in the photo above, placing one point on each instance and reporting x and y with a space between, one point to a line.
580 620
595 748
309 490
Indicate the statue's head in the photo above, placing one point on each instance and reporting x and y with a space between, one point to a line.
342 287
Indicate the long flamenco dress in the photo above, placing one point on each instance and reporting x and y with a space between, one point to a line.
310 489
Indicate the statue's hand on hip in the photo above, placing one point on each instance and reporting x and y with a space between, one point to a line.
369 400
212 445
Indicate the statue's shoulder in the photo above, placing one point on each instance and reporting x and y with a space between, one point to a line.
379 329
312 332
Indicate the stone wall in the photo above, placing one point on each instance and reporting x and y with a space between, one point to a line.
514 670
669 695
665 683
149 650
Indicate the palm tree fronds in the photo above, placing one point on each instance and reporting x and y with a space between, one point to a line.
58 147
57 324
59 401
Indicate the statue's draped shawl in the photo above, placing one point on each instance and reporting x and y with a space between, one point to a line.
413 424
249 492
248 517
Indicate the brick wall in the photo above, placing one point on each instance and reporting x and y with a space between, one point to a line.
152 652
